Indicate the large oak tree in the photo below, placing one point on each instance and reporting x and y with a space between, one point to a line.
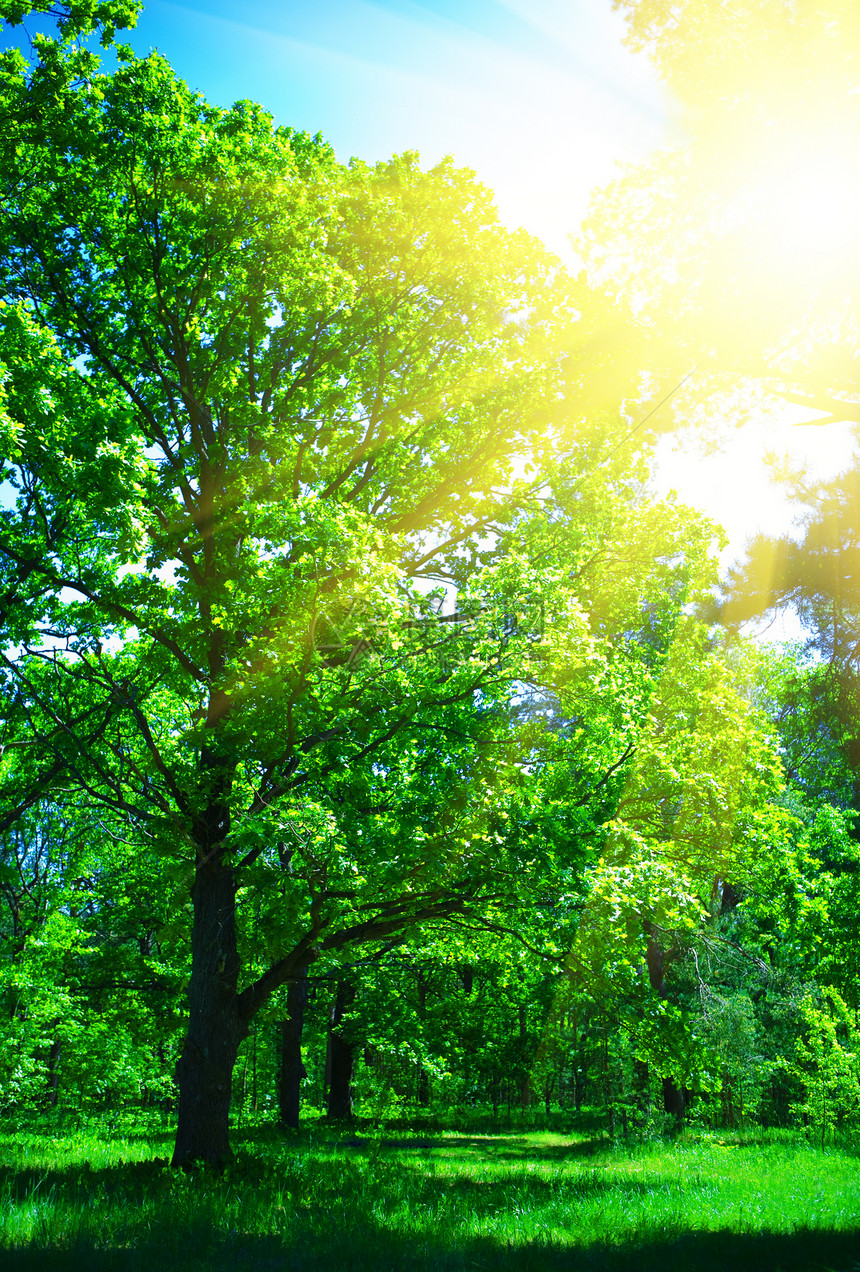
317 469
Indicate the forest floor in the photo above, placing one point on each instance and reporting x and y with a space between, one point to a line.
100 1196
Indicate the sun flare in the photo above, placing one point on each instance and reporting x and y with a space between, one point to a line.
799 206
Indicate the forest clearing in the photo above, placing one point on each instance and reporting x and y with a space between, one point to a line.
102 1197
413 850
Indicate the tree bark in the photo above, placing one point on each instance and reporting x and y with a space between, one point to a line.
341 1057
215 1026
579 1080
54 1073
292 1071
422 1086
642 1090
674 1104
524 1077
730 898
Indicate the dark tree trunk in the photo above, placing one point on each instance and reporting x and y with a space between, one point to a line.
524 1079
341 1057
579 1081
656 963
642 1090
673 1096
674 1103
218 1016
215 1027
54 1072
292 1070
422 1091
731 898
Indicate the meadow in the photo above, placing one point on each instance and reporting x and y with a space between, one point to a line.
99 1195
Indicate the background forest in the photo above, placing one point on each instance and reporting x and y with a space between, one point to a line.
373 740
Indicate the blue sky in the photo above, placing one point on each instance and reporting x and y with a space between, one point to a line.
538 96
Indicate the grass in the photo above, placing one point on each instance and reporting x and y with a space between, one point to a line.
101 1197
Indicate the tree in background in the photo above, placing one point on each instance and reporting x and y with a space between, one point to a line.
697 819
90 987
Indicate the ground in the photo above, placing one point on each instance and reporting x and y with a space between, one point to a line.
99 1195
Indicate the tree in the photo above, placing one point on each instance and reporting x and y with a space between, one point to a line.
812 693
740 246
77 18
90 993
349 481
698 818
813 705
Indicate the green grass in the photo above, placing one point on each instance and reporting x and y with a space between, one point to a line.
101 1197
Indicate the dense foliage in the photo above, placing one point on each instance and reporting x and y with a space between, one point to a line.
360 742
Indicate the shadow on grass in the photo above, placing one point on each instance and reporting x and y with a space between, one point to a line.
503 1148
124 1179
311 1206
803 1251
317 1182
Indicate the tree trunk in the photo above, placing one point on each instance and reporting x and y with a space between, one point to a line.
607 1085
674 1103
54 1072
422 1086
579 1080
215 1028
254 1072
673 1096
642 1090
292 1070
731 898
341 1057
524 1078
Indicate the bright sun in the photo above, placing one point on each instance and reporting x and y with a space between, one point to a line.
800 203
779 232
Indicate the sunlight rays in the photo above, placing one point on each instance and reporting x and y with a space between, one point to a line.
803 207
